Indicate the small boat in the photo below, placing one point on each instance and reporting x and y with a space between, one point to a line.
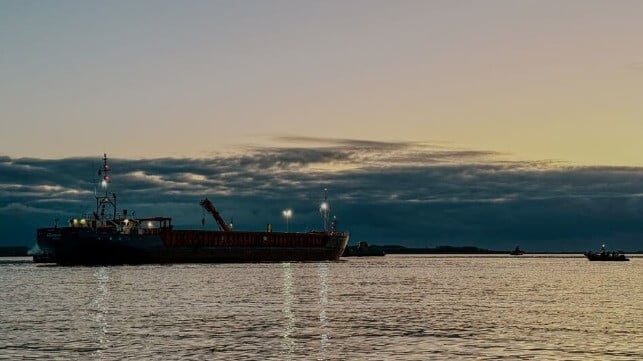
605 255
517 252
363 249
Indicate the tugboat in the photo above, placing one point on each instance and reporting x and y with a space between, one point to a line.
605 255
111 237
517 252
363 249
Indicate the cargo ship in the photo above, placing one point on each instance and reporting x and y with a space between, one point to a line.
109 237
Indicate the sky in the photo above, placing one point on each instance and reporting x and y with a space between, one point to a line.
539 79
410 111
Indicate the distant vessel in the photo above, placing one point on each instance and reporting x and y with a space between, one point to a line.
517 252
363 250
121 238
605 255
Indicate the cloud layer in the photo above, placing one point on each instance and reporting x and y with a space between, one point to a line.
416 194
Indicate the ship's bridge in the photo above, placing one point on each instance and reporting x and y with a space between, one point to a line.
153 225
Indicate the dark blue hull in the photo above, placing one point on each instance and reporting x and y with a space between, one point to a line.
606 257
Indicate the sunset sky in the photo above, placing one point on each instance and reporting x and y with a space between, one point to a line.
536 79
488 123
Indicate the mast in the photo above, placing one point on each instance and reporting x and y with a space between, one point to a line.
105 201
208 206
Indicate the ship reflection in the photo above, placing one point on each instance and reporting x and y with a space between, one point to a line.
289 315
99 307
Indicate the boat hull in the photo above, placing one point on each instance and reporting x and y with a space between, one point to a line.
606 258
85 246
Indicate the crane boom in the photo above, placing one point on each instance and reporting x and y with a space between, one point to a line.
208 206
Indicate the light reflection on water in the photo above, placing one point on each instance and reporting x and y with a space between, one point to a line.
99 308
323 303
289 316
393 307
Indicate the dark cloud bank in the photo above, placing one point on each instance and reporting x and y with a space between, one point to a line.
385 193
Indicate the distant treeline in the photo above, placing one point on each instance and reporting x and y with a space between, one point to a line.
13 251
21 251
396 249
393 249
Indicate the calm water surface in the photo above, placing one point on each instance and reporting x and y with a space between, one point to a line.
387 308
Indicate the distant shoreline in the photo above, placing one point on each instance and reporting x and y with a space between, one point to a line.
21 251
396 249
14 251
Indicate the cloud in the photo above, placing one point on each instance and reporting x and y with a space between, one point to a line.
383 192
12 208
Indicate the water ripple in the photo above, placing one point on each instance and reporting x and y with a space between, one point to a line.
388 308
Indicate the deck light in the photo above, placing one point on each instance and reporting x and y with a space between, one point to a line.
287 214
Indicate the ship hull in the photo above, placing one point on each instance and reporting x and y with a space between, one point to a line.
85 246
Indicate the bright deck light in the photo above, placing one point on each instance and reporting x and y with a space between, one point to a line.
287 214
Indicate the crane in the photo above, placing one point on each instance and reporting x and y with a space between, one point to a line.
208 206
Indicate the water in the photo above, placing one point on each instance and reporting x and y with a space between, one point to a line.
387 308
